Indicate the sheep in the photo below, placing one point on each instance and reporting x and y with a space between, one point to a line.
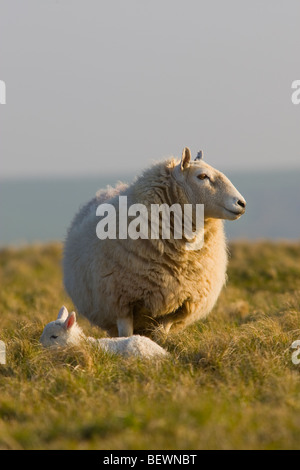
65 331
138 286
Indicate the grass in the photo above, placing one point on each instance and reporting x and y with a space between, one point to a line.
229 382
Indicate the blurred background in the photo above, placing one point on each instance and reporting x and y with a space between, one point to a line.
96 91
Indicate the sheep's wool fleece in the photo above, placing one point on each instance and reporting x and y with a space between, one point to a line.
159 281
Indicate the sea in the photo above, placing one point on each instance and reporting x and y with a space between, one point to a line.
40 210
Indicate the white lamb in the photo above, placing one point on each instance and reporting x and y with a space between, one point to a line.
65 331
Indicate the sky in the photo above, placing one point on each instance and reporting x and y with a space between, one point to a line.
97 87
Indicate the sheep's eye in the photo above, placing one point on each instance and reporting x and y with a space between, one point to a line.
203 176
53 337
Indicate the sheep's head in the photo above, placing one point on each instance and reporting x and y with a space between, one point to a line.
64 331
203 184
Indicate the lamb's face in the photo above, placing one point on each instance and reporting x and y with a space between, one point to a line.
204 184
62 332
55 334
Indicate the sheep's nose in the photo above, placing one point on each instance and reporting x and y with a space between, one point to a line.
242 203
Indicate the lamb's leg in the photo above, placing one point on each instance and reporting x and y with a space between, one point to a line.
125 325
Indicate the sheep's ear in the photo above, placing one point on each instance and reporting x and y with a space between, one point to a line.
70 321
199 155
63 313
185 159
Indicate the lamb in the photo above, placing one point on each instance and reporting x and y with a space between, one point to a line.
137 286
65 331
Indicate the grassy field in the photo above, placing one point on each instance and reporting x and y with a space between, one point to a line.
229 382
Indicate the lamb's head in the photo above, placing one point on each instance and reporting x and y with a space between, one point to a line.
64 331
204 184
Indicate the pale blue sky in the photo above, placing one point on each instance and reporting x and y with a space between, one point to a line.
97 87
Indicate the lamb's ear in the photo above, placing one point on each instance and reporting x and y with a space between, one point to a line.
185 159
63 313
70 321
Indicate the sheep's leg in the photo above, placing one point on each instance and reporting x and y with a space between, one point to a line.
167 326
125 326
170 319
176 317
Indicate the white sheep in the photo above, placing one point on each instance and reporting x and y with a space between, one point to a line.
65 331
132 286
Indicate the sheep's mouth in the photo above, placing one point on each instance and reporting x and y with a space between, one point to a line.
236 214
